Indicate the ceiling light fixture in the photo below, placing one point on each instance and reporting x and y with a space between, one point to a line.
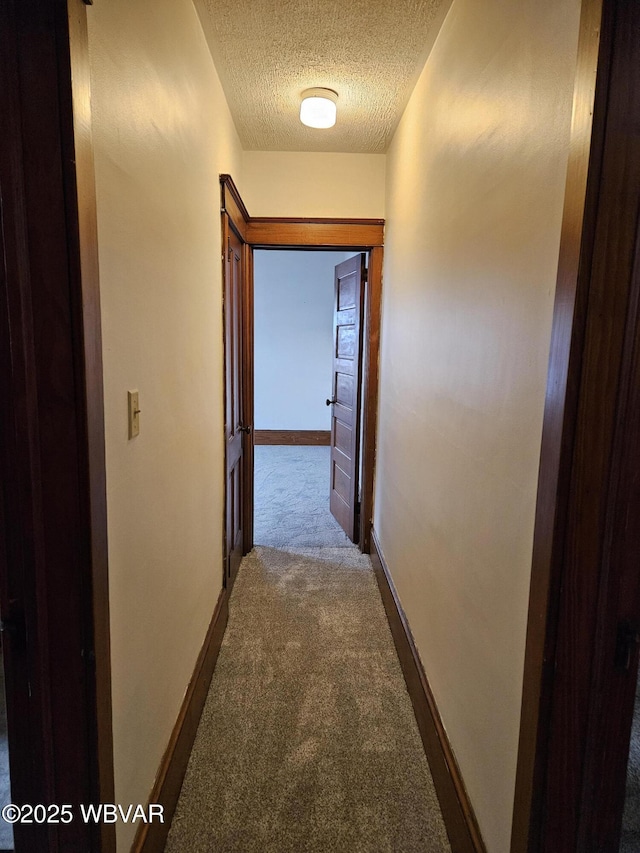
318 107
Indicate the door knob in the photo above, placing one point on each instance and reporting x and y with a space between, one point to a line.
244 429
331 402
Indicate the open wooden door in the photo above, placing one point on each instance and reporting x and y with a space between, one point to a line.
350 277
235 430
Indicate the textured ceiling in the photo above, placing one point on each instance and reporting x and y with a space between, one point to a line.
370 52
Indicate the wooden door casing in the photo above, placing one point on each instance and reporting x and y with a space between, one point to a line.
355 235
576 703
615 669
346 385
54 594
234 435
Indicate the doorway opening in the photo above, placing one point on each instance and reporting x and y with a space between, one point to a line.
242 236
308 345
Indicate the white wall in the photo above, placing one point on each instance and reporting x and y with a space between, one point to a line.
475 186
286 183
162 134
293 318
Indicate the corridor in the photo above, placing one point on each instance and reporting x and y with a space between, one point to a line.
308 740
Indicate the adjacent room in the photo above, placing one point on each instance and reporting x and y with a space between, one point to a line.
293 352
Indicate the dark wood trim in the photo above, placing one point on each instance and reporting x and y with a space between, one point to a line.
293 436
95 473
373 308
21 534
224 233
314 233
247 399
613 687
279 233
557 433
52 436
152 837
606 286
555 810
270 231
232 203
230 193
235 216
234 358
457 811
316 220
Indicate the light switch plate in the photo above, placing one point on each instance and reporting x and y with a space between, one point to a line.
134 414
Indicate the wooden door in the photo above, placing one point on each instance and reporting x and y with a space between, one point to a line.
234 427
350 277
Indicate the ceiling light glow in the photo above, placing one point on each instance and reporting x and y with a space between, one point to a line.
318 108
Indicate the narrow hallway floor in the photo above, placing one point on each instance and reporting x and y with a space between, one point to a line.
307 742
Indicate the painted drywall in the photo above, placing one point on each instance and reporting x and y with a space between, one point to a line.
475 186
285 183
162 134
294 294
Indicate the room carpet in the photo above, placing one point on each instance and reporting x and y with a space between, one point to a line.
630 840
307 742
292 498
6 829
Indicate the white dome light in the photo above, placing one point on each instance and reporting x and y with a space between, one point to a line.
318 108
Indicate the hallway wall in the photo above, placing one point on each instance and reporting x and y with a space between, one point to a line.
475 185
162 134
294 183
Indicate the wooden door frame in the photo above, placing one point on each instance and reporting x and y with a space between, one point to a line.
228 228
580 442
358 235
52 456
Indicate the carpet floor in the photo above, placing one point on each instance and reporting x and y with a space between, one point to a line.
307 742
6 829
630 839
292 499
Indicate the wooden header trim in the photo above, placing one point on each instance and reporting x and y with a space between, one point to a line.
330 234
232 204
319 220
275 232
230 194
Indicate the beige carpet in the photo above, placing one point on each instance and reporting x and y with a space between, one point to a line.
292 498
307 741
6 830
630 839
